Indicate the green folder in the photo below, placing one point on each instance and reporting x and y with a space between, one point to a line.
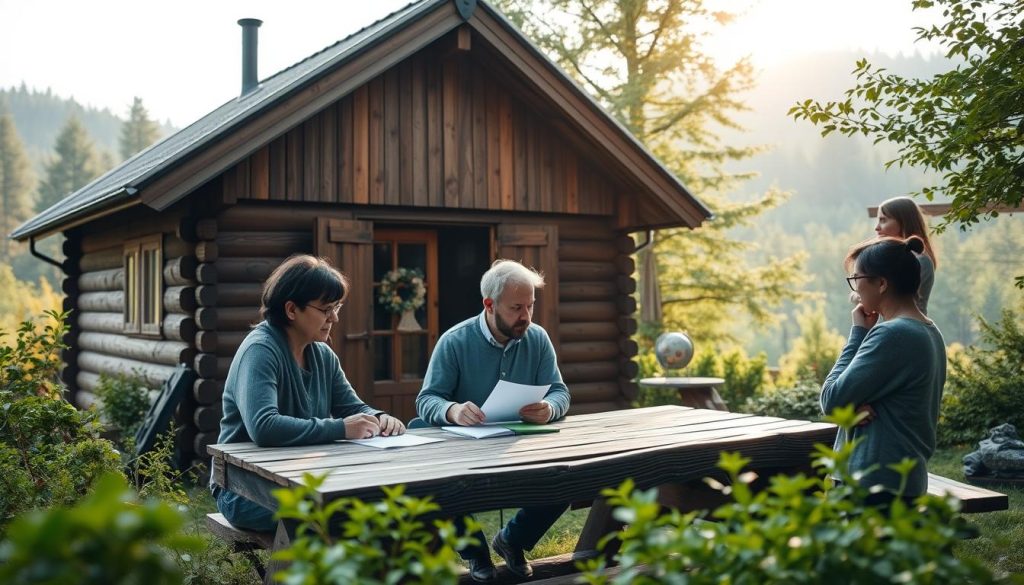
530 429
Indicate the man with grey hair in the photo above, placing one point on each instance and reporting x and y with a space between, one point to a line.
501 343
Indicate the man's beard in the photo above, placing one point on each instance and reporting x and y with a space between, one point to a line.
510 330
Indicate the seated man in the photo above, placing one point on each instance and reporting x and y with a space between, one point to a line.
469 359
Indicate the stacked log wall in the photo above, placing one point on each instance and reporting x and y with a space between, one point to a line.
237 252
95 290
596 322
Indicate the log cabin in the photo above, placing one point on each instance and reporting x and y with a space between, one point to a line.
438 138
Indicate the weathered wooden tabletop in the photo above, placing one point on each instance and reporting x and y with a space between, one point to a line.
665 444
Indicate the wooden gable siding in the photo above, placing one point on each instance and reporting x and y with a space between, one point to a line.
430 132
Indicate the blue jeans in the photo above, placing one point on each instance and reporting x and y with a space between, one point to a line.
245 513
524 530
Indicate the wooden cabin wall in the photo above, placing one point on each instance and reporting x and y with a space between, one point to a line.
94 287
431 132
596 321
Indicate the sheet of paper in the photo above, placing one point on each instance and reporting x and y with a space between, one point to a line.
406 440
508 397
479 432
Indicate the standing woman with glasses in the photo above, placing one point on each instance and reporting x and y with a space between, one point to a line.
892 369
285 385
900 217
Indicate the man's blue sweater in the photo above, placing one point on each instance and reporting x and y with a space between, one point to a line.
465 366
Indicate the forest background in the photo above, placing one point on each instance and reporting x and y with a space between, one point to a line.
821 187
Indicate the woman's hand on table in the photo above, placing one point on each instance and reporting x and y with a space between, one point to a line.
390 425
361 426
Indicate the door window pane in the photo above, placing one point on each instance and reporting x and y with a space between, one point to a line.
381 260
382 357
381 316
414 356
413 256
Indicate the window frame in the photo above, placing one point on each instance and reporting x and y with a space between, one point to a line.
143 286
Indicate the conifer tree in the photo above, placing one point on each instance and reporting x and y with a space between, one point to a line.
643 61
15 182
139 131
74 165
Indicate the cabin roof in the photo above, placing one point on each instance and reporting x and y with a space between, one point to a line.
123 185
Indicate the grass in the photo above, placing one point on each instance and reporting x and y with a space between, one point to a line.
1001 544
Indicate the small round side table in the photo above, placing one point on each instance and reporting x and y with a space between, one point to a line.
698 392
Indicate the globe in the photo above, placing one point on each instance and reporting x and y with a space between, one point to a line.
674 350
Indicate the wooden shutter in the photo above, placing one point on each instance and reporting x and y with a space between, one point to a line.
536 246
348 244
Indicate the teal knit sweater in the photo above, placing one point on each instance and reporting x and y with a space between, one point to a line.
271 401
465 366
899 368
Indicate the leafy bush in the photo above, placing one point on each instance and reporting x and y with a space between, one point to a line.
984 386
813 353
50 453
124 402
801 402
109 537
380 542
797 530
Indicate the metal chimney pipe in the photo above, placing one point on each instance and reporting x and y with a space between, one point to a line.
250 78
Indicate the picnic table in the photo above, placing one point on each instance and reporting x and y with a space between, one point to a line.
653 446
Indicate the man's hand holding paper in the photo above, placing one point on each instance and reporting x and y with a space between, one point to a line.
537 413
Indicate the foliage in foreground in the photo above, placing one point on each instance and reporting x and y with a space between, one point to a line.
798 529
985 385
378 542
50 452
109 537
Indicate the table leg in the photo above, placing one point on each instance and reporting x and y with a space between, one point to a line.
282 539
702 398
599 523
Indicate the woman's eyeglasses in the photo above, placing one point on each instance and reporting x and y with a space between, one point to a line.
329 311
852 281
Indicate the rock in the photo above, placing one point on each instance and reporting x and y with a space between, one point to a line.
1000 455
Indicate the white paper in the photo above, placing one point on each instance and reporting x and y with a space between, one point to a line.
406 440
508 397
478 432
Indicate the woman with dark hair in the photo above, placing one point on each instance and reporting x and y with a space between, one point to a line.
285 385
900 217
893 369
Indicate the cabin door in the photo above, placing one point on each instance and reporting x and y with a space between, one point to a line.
348 244
536 246
402 341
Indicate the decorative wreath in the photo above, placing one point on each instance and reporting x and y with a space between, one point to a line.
402 290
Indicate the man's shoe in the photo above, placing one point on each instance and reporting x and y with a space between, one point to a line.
515 560
481 570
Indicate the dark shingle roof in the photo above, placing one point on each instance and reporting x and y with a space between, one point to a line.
121 183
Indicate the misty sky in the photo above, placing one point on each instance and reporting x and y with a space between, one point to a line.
183 58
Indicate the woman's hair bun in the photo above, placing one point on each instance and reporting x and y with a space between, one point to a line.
915 244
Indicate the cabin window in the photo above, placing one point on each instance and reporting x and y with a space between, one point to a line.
143 286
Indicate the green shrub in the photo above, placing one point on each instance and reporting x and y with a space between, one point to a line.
50 452
109 537
802 402
124 402
984 385
813 353
797 530
379 542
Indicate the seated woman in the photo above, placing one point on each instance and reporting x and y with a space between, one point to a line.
893 370
285 385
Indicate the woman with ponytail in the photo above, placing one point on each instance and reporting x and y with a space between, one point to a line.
900 217
891 368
